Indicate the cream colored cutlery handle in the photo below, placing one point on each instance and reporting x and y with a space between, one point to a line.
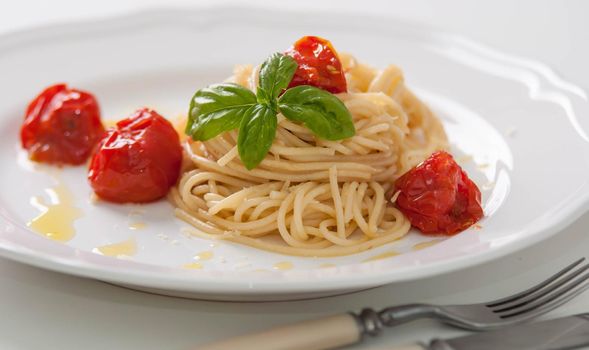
324 333
403 347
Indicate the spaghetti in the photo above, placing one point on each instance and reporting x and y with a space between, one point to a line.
313 197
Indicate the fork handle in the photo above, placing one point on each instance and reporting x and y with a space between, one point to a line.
324 333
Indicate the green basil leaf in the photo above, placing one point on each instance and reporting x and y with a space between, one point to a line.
216 109
275 75
319 110
256 133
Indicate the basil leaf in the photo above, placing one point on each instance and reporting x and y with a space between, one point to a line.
320 110
275 75
256 133
216 109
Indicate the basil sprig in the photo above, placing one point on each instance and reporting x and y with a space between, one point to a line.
223 107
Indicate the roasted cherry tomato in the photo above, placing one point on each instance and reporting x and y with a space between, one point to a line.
438 197
138 161
319 65
61 126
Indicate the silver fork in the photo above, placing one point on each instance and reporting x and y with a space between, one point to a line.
538 300
349 328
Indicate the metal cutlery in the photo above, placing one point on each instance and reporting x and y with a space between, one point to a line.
570 332
349 328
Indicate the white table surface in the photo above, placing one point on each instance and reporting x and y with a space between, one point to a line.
46 310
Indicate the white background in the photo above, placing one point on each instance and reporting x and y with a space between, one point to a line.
46 310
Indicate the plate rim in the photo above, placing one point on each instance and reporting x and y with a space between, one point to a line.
198 281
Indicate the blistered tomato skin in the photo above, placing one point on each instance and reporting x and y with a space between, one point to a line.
138 161
438 197
319 65
61 126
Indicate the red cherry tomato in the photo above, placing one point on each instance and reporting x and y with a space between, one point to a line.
61 126
138 161
438 197
319 65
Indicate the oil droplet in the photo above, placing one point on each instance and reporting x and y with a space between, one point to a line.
283 265
134 220
163 237
488 186
382 256
93 199
323 266
242 265
423 245
137 225
109 123
511 131
56 220
464 159
193 266
208 255
125 248
136 211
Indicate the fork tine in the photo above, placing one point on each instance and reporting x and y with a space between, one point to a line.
536 287
562 282
554 299
551 305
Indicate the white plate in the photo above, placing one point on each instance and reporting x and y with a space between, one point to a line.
518 120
